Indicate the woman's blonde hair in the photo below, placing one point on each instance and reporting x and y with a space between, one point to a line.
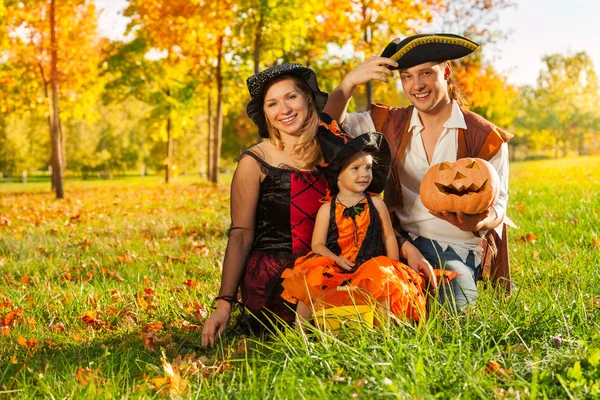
306 148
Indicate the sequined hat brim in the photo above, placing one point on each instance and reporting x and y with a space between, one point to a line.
259 82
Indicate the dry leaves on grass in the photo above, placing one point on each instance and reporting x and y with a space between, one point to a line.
57 327
174 382
197 309
26 342
91 319
11 318
596 243
87 375
529 238
112 274
495 368
150 336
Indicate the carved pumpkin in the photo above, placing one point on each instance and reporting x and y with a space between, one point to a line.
469 185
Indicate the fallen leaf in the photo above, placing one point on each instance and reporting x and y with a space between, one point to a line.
90 319
10 318
190 283
4 331
519 207
85 375
26 343
189 327
596 243
529 238
492 366
149 334
88 276
201 312
112 274
58 327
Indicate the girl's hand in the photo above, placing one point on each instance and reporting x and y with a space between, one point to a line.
420 264
344 263
216 324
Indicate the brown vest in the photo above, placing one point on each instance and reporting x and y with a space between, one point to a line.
482 139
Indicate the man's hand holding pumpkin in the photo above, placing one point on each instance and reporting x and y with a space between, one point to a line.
471 222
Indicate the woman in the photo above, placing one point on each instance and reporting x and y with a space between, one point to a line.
275 195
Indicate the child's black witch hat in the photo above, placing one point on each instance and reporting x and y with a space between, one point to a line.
337 147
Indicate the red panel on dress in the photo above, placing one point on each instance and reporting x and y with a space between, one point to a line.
304 190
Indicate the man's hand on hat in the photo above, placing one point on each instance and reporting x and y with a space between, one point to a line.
373 69
468 222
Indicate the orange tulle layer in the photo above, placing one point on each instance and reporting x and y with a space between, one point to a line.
314 276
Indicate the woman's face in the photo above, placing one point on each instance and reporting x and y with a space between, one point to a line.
286 107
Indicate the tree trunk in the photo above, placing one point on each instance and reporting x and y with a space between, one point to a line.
216 158
209 139
169 150
257 50
55 133
367 38
257 45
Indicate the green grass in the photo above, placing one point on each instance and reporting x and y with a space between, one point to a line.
130 252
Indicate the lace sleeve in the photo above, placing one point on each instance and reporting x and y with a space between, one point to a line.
356 124
245 190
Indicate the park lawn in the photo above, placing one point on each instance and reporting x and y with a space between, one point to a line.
104 294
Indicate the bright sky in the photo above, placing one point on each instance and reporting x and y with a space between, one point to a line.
539 27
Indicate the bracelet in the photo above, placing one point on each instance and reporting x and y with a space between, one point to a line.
230 299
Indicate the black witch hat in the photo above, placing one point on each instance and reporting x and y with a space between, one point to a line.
419 49
337 147
257 84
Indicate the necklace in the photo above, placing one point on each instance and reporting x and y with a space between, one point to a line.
353 205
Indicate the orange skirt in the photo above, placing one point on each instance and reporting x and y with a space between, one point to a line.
314 276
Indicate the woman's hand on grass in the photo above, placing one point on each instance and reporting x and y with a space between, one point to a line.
216 324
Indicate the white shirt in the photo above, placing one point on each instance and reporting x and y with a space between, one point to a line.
414 217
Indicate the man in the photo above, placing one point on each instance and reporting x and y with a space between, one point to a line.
434 129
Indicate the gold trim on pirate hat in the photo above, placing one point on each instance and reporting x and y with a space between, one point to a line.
420 49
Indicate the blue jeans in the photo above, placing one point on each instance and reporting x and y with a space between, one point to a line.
462 290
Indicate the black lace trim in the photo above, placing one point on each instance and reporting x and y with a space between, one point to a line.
267 168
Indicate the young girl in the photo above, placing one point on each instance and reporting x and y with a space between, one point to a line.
353 241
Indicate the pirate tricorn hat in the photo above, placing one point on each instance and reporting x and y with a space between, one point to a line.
419 49
337 147
258 83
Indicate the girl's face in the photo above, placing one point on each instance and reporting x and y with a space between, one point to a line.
286 107
357 175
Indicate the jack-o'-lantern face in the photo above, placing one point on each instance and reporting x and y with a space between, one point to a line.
469 185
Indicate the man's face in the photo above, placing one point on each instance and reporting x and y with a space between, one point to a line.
426 86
